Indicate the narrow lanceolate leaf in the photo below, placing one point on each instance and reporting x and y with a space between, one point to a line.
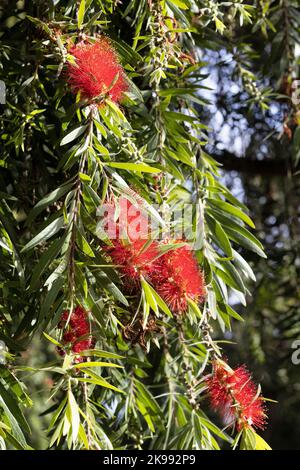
96 364
46 259
46 233
81 12
138 167
106 283
73 135
17 420
261 444
52 340
97 380
50 299
99 353
219 235
48 201
74 415
228 278
84 245
149 297
230 209
243 265
184 5
245 240
236 232
154 299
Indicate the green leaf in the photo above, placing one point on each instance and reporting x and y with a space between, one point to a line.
219 235
99 353
57 413
46 259
147 397
81 12
84 177
212 427
228 267
17 421
248 439
227 277
47 201
83 436
149 296
84 245
261 444
220 26
74 415
227 310
114 107
237 232
46 233
246 240
180 4
160 302
52 340
139 167
194 307
50 298
144 412
15 442
243 265
106 283
97 380
96 364
73 135
226 207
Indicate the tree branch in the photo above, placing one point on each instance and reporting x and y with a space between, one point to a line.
265 167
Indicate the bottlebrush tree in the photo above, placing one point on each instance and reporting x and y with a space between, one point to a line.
120 244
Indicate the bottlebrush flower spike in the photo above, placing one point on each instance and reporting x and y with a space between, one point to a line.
96 71
132 251
233 393
178 278
77 327
134 259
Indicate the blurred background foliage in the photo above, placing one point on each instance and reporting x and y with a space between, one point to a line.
259 152
251 73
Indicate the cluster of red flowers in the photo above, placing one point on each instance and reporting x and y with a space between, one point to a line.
130 250
96 71
135 259
175 274
234 395
76 331
178 278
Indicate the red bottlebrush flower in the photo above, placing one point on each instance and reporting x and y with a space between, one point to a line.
131 250
69 337
76 326
81 346
96 70
134 258
233 393
178 278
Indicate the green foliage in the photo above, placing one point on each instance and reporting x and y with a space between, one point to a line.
61 159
